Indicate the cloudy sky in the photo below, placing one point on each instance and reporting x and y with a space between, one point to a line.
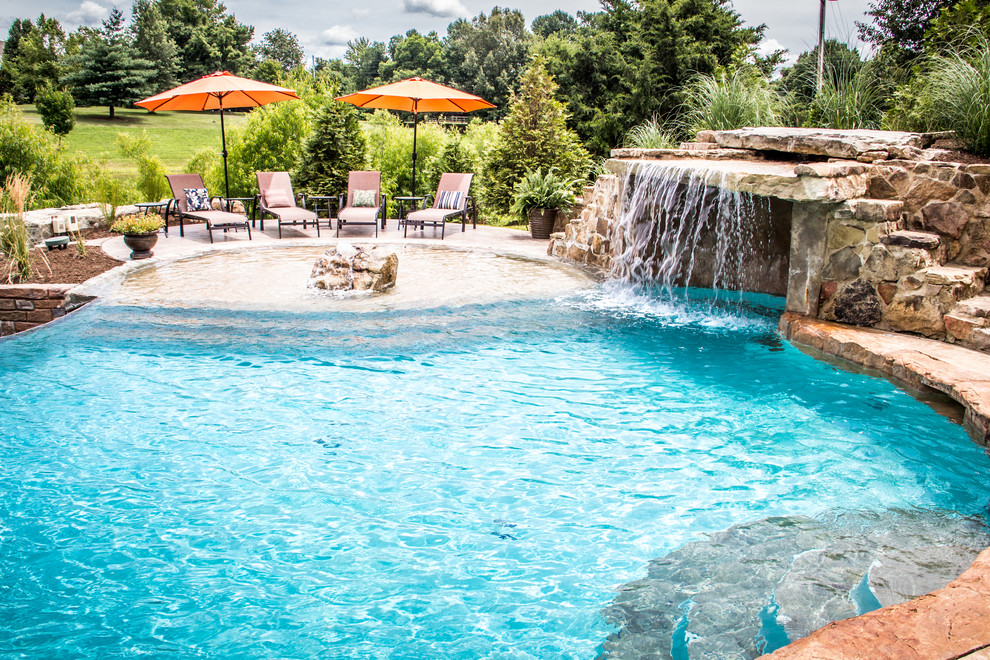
324 27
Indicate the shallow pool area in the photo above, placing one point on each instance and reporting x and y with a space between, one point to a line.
472 478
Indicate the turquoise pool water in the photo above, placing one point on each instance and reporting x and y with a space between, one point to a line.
460 482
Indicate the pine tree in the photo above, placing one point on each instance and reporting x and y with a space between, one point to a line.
336 146
108 70
152 42
534 136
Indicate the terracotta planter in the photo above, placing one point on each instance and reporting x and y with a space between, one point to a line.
541 222
141 244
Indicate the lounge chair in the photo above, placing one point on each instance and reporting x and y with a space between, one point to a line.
186 187
358 206
276 199
450 201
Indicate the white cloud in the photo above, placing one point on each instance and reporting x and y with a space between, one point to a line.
339 35
768 47
771 46
361 12
89 13
442 8
330 52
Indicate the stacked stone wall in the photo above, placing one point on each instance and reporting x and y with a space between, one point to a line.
913 257
25 306
911 254
587 238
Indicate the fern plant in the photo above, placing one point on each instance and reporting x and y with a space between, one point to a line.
544 190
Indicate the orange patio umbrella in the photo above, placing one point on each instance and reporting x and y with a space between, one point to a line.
217 91
417 95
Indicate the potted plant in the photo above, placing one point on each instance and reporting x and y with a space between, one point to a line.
539 196
140 233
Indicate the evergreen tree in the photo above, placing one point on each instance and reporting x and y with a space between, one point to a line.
630 62
208 38
335 147
57 109
534 136
152 42
109 72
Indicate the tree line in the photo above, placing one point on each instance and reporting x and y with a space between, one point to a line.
629 63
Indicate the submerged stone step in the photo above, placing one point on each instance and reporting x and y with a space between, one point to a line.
715 598
913 239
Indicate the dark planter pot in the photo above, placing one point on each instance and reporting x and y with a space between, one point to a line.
541 222
141 244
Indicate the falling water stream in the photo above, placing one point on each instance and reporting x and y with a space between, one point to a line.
682 226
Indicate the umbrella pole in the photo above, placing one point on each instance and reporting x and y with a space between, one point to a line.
415 122
223 151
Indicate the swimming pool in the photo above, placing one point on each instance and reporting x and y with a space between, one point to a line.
466 480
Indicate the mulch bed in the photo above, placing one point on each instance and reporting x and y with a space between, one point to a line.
65 266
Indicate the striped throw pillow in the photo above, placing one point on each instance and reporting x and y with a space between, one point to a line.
449 199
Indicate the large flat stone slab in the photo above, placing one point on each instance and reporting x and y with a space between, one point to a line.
853 144
832 184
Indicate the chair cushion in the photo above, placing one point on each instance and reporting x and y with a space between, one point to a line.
278 198
449 199
364 198
197 199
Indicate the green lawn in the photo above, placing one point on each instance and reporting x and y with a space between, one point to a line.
175 136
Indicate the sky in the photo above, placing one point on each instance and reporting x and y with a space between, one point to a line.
324 27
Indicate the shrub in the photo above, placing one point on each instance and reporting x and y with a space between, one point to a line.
208 163
727 101
335 147
957 85
57 178
57 109
111 193
534 135
390 146
151 182
272 139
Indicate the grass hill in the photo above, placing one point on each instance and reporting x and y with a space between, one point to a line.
175 136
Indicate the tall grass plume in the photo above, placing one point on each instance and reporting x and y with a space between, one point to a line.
14 242
958 88
727 101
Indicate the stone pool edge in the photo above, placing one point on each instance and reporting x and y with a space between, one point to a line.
960 373
947 623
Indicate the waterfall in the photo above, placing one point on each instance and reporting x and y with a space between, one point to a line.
681 226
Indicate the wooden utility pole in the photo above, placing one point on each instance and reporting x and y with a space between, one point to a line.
821 49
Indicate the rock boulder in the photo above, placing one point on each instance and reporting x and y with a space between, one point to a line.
346 267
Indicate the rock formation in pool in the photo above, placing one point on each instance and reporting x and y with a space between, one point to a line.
756 587
346 267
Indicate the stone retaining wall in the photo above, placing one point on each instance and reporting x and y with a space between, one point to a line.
25 306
